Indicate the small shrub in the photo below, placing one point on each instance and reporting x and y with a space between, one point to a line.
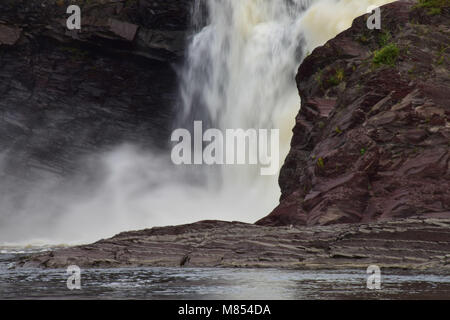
441 55
385 38
433 6
320 162
318 77
337 78
363 39
387 55
434 11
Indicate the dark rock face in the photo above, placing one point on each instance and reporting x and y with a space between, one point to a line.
391 244
66 93
372 140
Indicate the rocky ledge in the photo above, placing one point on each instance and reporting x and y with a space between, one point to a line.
372 137
414 243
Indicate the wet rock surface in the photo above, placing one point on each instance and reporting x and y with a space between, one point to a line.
414 243
371 140
65 94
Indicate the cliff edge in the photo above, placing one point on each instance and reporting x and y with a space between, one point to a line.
371 141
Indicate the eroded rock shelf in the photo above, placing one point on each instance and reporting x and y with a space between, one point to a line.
414 244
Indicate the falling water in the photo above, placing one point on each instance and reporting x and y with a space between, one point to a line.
239 73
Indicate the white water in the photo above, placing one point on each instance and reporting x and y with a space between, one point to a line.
239 74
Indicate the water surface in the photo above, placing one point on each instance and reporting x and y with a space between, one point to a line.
215 283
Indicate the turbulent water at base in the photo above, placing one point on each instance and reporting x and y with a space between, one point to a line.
239 73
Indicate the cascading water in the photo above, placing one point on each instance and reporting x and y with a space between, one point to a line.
239 73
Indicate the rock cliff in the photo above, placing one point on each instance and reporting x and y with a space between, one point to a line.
64 94
372 138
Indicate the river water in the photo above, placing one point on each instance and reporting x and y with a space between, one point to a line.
215 283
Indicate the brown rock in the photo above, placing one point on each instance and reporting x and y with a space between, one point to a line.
9 35
123 29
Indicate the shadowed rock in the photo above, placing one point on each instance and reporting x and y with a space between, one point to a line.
9 35
69 93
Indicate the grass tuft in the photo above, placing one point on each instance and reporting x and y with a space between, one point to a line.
387 55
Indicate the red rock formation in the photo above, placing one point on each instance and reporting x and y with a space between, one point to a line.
371 141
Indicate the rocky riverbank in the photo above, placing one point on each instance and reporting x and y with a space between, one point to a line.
413 244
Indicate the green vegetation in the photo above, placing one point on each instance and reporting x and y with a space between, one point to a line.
384 38
441 55
318 77
320 162
337 78
363 151
75 54
129 3
363 39
387 55
434 11
433 7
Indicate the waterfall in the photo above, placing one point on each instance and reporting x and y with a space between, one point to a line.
239 72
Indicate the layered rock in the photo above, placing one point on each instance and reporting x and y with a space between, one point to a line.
65 94
372 138
414 244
